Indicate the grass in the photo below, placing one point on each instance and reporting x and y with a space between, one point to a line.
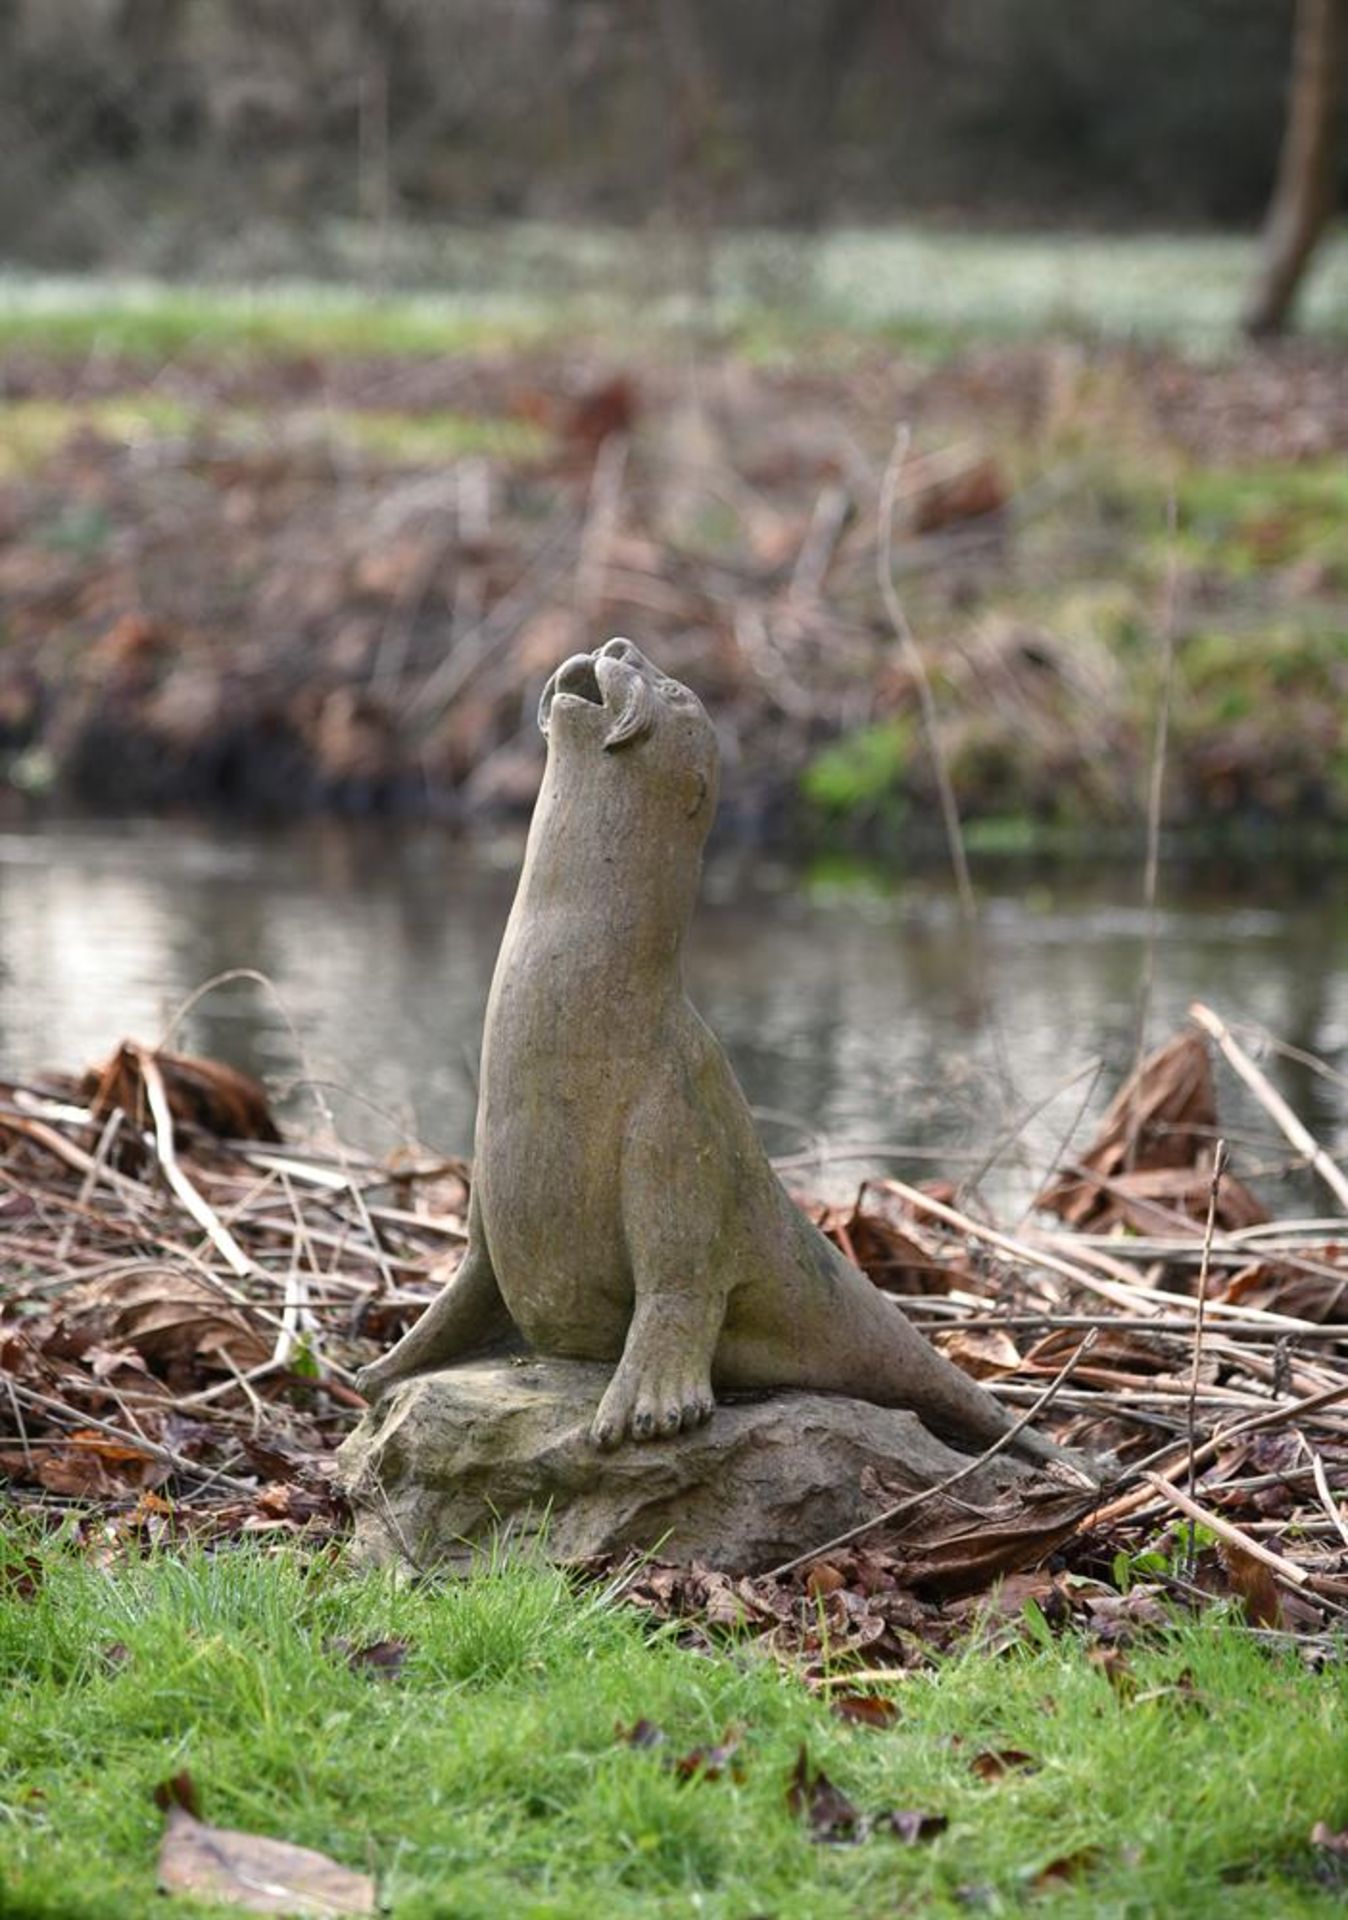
31 431
486 1778
157 319
774 294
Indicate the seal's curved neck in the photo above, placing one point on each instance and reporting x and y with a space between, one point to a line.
609 848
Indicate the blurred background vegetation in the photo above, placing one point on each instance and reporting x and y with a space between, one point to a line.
359 359
274 268
179 133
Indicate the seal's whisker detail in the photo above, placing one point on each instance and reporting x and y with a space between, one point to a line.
636 716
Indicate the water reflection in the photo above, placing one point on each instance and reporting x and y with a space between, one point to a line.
857 1014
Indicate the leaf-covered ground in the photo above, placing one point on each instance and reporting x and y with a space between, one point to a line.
183 1305
295 556
490 1755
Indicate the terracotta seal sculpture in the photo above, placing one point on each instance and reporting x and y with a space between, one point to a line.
623 1208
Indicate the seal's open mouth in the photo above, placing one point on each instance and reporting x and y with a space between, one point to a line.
578 677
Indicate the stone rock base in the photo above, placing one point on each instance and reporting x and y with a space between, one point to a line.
453 1460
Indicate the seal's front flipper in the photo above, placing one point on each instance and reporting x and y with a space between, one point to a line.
466 1315
663 1382
662 1385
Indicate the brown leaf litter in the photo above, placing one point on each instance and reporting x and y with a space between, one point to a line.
177 1361
1152 1156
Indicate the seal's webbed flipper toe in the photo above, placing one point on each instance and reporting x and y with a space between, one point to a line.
651 1402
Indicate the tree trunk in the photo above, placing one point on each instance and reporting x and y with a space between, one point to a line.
1303 198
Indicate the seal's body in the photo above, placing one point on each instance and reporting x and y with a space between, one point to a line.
623 1208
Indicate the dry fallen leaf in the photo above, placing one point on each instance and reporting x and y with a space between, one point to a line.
1112 1662
699 1763
174 1321
888 1254
911 1826
867 1709
1152 1155
710 1763
383 1658
1254 1583
831 1815
1323 1835
179 1790
204 1093
823 1579
1065 1869
257 1873
641 1733
21 1577
969 493
999 1761
607 408
91 1466
982 1353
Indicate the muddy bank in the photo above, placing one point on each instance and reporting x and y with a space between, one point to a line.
302 584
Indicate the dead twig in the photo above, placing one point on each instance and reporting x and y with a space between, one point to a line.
129 1437
1272 1101
344 1158
1327 1500
898 619
1214 1191
205 1216
1167 1458
1155 796
1285 1569
832 511
601 520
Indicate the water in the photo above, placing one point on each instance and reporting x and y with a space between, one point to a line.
852 1014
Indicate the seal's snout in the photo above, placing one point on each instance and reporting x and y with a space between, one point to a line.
620 649
618 677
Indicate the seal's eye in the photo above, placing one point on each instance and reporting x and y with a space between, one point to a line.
672 690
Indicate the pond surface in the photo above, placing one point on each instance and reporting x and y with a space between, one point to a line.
852 1014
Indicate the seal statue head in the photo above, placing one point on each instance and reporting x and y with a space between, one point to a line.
613 716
